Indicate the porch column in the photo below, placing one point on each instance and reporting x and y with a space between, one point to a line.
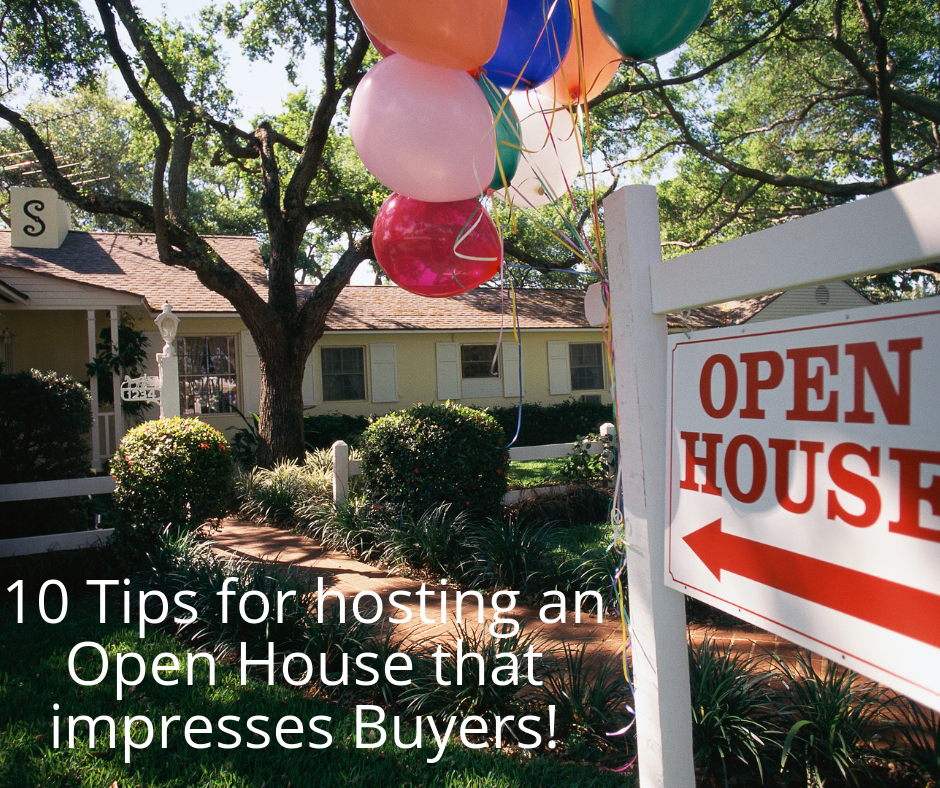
93 384
116 380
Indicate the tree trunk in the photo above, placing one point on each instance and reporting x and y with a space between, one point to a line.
281 417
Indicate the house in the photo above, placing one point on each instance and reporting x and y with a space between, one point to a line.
384 348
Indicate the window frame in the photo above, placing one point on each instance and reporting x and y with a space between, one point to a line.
227 393
579 368
485 364
325 387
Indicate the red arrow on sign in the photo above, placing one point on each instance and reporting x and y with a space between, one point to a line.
902 609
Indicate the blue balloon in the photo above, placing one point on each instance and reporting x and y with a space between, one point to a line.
535 39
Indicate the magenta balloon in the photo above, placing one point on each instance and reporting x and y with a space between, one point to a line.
436 249
424 131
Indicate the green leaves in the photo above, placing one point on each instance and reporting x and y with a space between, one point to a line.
436 454
775 110
171 475
44 424
52 40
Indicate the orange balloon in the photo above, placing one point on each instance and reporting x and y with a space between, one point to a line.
449 33
591 63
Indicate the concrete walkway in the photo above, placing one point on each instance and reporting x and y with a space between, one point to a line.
349 577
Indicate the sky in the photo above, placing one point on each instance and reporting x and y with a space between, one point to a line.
259 86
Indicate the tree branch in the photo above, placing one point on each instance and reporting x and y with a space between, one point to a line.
318 132
841 190
315 309
634 88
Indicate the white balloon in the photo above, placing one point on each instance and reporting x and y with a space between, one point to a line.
551 155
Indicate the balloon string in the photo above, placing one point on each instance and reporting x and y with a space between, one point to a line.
465 232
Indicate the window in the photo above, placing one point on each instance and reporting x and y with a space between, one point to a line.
207 375
476 361
344 376
587 366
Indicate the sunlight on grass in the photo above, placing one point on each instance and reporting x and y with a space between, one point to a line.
533 473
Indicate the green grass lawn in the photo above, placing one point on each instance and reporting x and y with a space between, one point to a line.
576 540
34 675
533 473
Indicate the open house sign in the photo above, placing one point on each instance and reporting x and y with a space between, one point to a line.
804 484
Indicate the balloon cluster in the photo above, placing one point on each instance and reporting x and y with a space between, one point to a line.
432 120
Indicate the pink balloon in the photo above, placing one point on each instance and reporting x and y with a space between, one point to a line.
436 249
424 131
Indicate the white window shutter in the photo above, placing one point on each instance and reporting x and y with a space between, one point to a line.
249 379
310 380
559 368
511 369
448 370
383 365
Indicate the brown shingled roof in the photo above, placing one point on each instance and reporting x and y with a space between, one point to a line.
730 313
361 308
128 263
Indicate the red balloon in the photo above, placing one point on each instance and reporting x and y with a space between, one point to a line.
436 249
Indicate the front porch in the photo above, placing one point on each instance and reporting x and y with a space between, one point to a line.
40 332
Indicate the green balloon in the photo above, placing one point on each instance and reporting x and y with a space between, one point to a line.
508 134
644 29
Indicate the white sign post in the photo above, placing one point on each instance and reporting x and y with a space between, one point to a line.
876 472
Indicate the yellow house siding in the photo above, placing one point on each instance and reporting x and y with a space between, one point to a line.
399 367
417 355
56 341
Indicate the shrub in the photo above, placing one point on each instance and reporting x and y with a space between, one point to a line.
282 494
561 422
581 505
436 690
435 454
582 466
920 740
731 717
187 564
323 430
357 527
834 716
595 570
44 424
171 475
506 552
428 542
591 699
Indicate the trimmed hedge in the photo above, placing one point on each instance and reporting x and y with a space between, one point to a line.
323 430
432 454
562 422
171 475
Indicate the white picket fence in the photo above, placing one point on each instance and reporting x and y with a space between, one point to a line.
58 488
344 468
